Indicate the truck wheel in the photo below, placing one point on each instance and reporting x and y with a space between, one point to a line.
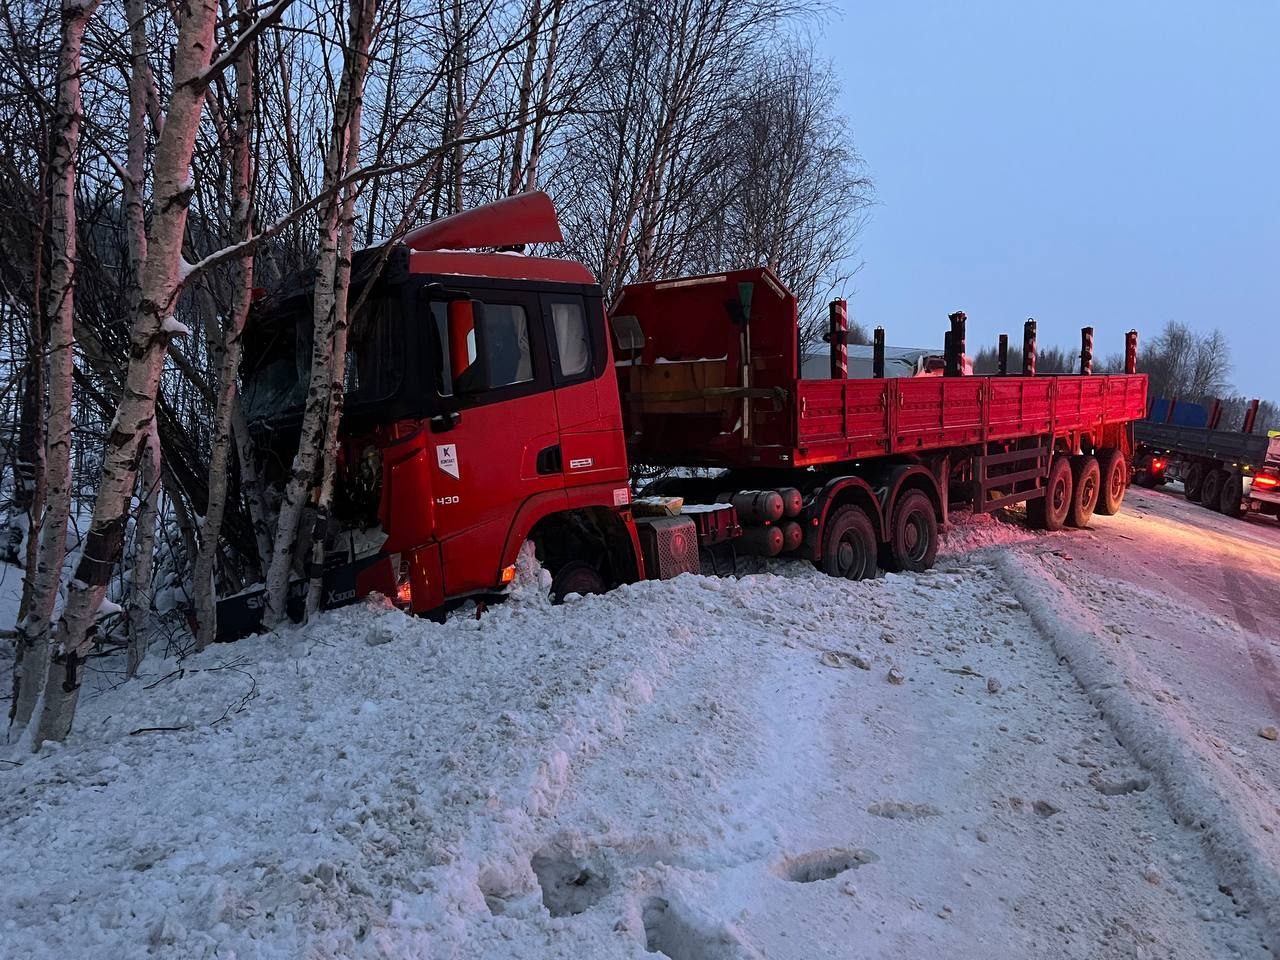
576 577
1050 511
1211 491
1193 481
914 539
1232 499
1115 480
849 544
1086 478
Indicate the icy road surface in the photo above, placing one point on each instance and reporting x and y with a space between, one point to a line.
1047 747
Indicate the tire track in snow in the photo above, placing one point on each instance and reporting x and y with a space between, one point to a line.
1239 588
1192 794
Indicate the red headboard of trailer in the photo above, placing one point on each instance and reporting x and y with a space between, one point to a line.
680 346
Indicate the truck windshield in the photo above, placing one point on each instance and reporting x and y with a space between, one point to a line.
278 357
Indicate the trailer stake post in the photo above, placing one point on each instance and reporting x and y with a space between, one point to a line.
1250 417
877 353
1131 352
1002 356
838 337
1086 351
951 368
957 343
1029 349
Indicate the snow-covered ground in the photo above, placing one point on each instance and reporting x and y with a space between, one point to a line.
1039 749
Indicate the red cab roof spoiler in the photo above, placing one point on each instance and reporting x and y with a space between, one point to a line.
524 218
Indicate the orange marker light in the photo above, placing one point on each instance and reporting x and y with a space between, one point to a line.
508 574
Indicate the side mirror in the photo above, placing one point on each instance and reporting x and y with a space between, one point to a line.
462 325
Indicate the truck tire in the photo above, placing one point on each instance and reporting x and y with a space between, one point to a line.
848 544
1050 511
1193 481
1231 502
1115 480
1211 491
1086 479
575 577
913 543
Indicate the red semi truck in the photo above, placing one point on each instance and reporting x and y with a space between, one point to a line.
493 400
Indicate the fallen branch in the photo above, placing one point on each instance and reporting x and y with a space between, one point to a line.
134 733
177 673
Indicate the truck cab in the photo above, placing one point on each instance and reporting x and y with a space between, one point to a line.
481 410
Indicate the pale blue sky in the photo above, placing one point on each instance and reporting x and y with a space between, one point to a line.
1107 163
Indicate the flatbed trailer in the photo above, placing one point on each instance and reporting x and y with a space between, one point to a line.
1061 443
1235 472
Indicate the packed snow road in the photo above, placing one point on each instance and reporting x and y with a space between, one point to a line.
1038 749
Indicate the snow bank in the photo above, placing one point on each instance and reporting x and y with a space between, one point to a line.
1114 680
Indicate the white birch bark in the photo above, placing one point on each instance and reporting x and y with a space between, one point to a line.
341 324
139 598
537 140
242 217
328 346
138 607
33 640
525 99
151 332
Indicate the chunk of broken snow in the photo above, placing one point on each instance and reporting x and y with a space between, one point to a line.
175 326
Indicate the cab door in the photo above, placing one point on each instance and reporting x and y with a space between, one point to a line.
497 443
591 439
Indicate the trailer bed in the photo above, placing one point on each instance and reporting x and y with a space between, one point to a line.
685 402
1229 446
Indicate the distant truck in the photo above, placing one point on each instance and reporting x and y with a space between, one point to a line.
1235 472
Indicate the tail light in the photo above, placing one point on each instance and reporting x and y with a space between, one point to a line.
1266 482
1157 464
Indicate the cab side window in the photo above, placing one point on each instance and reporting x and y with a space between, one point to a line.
499 350
502 330
572 339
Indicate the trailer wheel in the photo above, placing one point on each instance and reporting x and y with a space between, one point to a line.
913 543
1211 492
1086 479
1193 481
1115 481
1232 501
849 544
1050 511
576 577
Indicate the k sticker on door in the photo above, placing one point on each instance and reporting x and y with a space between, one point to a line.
447 458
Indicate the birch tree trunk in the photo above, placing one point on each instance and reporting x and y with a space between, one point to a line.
525 99
139 601
33 428
152 330
33 639
328 343
242 217
540 118
251 483
139 605
341 324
